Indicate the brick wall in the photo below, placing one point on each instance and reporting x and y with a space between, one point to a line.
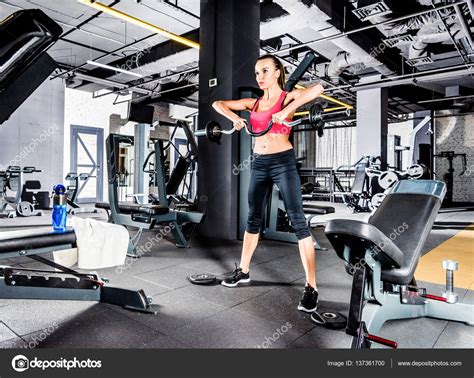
456 134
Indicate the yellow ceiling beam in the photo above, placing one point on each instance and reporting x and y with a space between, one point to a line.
331 99
325 110
133 20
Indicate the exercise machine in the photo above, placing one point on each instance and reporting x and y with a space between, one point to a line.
363 187
179 183
6 208
387 179
383 254
32 195
73 191
61 283
23 202
145 216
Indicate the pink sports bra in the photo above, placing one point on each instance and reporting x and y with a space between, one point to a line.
259 120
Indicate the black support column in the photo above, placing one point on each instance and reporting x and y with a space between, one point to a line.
372 124
230 45
423 149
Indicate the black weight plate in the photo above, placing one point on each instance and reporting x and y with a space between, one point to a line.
329 319
202 279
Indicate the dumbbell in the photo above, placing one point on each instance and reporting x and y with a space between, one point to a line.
450 266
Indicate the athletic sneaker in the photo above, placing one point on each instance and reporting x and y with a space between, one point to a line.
237 277
309 302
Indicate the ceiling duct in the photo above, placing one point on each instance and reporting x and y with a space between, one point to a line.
431 30
418 47
341 62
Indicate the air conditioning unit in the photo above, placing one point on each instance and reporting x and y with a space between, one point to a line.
398 40
419 61
373 10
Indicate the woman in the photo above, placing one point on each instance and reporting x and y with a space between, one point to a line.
274 163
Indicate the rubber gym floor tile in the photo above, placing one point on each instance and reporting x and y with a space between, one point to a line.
17 342
25 316
6 333
219 244
320 337
149 262
224 296
334 284
412 333
163 257
172 277
100 329
279 306
264 274
326 258
164 343
173 311
458 335
293 262
263 279
128 281
212 265
234 329
268 250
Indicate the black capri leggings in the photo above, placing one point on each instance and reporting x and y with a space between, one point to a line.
278 168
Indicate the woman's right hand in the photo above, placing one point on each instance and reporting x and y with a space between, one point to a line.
239 123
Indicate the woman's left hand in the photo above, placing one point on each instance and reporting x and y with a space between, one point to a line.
280 117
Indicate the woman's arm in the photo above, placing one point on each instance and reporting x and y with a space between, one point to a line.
301 97
227 107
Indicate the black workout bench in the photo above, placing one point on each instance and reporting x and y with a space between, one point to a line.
62 284
382 256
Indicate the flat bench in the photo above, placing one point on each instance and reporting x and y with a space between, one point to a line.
135 208
60 284
311 208
12 241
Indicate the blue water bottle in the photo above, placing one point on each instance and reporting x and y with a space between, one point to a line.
59 208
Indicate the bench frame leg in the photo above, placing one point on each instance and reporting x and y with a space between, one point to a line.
373 305
82 287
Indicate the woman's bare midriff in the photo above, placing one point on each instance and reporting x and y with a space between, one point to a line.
271 143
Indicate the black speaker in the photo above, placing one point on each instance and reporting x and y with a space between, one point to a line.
25 84
140 113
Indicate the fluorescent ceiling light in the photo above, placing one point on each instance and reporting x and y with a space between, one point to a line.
113 68
141 23
445 99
